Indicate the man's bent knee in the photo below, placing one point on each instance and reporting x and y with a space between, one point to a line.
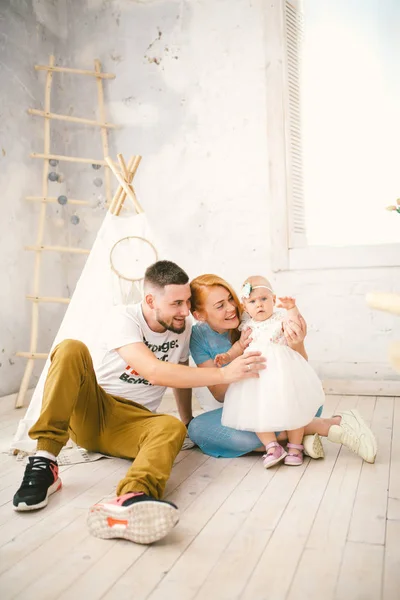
174 426
178 428
68 348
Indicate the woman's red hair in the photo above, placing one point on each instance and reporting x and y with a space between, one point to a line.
200 287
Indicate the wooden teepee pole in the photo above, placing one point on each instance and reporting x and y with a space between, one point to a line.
119 196
127 175
125 184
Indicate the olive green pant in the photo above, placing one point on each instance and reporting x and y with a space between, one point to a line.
75 406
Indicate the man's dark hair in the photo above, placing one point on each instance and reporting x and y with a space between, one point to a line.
165 272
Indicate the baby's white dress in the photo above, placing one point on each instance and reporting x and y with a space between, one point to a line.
288 392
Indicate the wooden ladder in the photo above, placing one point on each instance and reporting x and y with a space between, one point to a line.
44 199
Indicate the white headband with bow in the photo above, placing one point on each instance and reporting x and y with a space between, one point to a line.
248 288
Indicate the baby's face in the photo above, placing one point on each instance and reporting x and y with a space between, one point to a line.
260 304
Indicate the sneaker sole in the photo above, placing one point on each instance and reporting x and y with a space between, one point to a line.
142 522
293 464
23 507
313 446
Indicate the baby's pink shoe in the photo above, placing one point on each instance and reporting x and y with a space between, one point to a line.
273 458
293 459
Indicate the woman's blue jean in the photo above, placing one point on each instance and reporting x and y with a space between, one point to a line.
215 439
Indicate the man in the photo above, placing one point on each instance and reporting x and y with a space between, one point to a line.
109 408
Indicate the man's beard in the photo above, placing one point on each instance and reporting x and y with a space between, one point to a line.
170 327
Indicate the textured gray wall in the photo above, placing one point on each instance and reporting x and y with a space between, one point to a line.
189 94
23 40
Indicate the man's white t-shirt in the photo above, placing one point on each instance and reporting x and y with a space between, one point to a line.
127 325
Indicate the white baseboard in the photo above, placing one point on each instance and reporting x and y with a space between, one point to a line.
362 387
341 387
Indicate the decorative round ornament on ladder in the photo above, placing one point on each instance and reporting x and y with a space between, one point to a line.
129 258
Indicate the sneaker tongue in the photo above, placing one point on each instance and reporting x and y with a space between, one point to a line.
37 463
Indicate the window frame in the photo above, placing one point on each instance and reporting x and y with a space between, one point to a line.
289 248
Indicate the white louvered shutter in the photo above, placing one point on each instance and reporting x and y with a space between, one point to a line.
294 31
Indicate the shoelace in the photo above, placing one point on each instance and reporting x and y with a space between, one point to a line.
36 471
352 441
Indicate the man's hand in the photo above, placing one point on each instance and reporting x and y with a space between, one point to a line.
246 366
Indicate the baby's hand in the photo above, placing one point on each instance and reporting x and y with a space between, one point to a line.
222 359
286 302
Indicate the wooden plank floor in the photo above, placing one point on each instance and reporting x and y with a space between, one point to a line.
329 529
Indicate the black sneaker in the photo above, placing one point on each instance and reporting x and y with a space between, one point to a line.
39 482
135 517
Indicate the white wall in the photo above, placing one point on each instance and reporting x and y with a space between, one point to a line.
190 94
197 117
346 339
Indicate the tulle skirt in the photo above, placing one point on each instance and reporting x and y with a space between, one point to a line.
286 396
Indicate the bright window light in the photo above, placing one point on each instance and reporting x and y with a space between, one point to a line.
350 84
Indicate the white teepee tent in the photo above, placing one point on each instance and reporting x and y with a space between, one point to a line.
98 288
96 292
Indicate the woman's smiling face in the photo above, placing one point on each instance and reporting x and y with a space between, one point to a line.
220 310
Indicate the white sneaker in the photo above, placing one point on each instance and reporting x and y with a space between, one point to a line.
187 443
354 433
313 446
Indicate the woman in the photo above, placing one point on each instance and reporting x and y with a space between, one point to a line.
217 310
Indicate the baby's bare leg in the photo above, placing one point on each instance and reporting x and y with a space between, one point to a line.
282 437
295 436
266 438
321 425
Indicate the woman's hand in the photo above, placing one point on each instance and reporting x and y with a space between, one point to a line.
246 366
295 332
